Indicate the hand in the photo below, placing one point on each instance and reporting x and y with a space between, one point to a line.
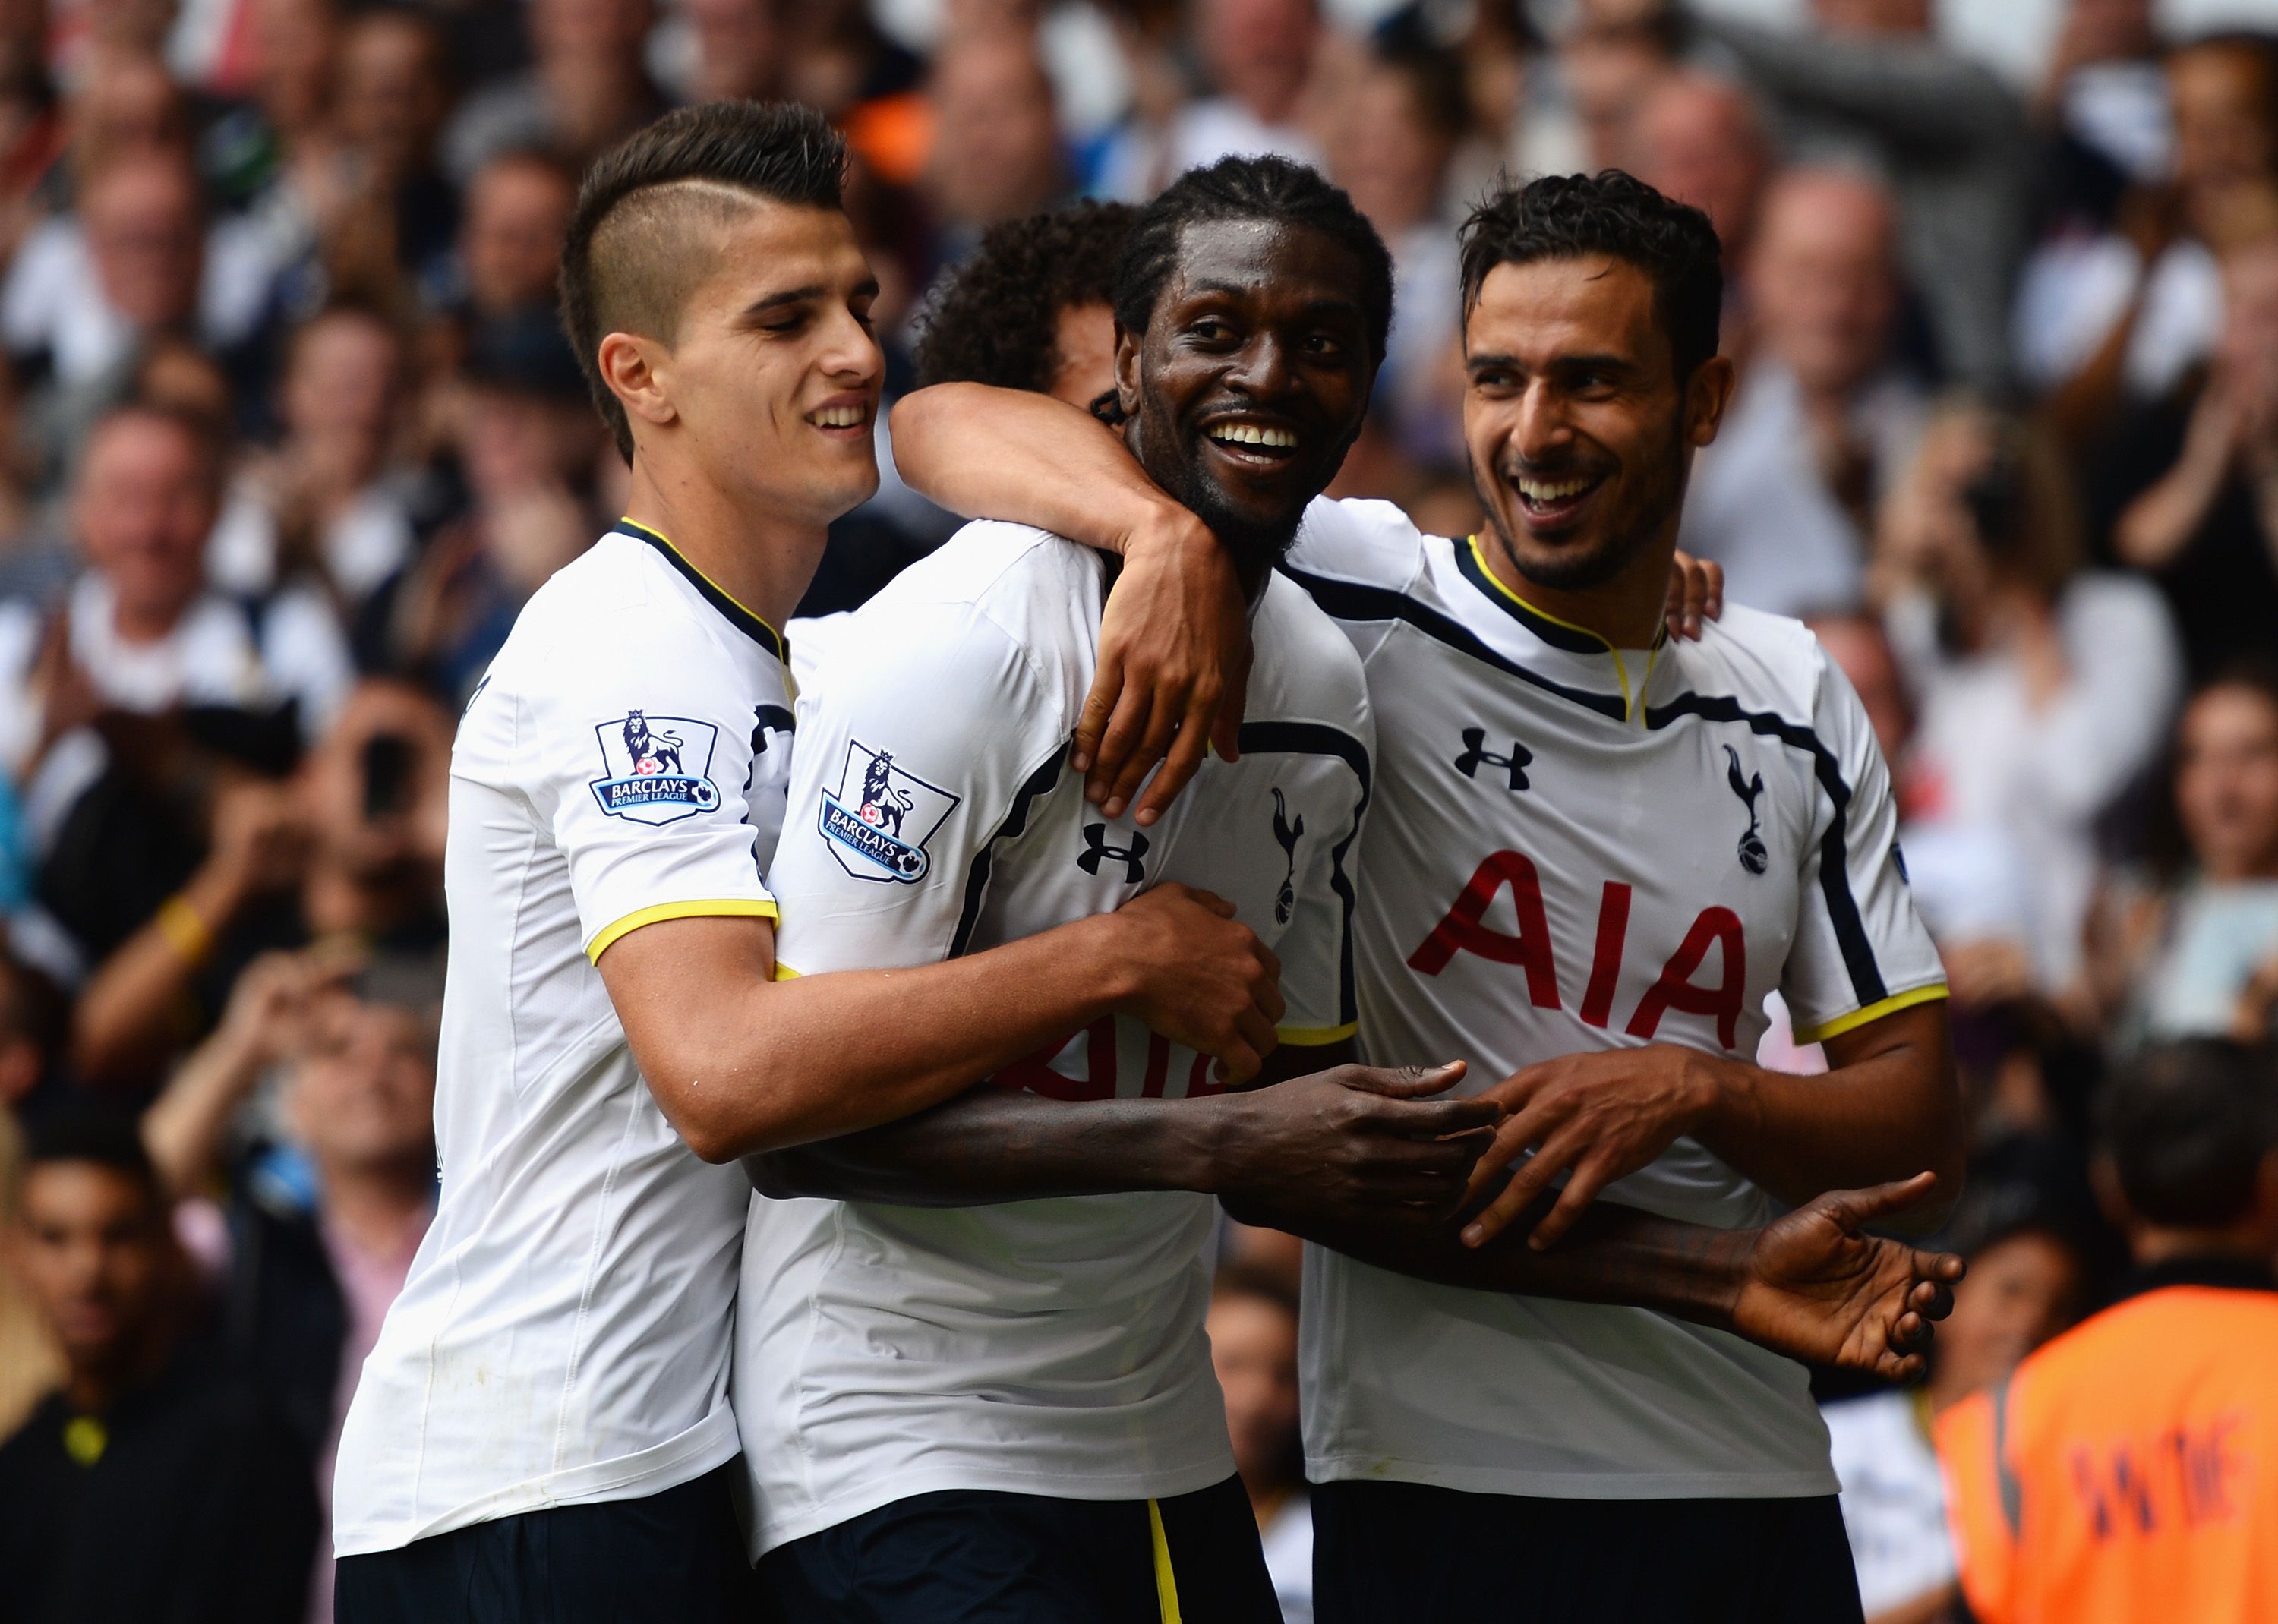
1355 1137
267 1018
1174 662
1203 980
1604 1115
259 842
1696 591
1818 1287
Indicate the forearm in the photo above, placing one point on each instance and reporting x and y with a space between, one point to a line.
797 1071
2158 524
1913 92
1613 1254
1008 453
1876 1116
183 1128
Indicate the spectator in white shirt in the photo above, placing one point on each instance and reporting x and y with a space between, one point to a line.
1825 419
141 630
1258 57
2044 691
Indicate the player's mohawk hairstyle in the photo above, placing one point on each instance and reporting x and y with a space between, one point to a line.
1249 188
628 262
1615 214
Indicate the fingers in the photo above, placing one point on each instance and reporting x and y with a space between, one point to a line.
1713 598
1154 743
1589 1179
1233 703
1098 705
1526 1186
1125 729
1857 1209
1237 1064
1188 748
1257 1031
1404 1082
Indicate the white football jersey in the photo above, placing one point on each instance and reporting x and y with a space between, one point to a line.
1573 847
1042 1346
564 1333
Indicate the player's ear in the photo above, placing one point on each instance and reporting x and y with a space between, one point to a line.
1126 370
1707 394
630 365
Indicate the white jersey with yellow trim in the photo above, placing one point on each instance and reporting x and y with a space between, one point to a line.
1054 1347
563 1335
1572 848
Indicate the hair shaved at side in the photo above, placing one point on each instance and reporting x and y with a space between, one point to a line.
643 233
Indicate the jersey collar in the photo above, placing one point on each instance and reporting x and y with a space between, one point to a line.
1549 628
742 619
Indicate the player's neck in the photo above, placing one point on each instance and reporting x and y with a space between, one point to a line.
1626 611
761 558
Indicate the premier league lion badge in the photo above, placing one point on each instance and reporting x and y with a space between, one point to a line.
882 816
656 769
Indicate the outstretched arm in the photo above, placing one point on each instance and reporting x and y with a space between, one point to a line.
1175 641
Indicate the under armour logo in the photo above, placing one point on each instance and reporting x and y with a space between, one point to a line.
1753 858
1098 852
1475 753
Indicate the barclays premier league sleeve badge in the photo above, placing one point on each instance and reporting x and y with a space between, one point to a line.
656 768
881 817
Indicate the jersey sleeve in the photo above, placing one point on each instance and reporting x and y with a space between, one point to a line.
1860 952
922 739
641 768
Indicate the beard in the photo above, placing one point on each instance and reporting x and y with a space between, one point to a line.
1255 546
1631 530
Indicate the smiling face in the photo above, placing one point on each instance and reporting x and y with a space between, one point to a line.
769 378
1248 385
1580 430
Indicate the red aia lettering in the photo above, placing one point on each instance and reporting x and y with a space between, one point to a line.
1462 932
1606 963
1676 990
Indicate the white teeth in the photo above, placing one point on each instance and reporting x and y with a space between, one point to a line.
1539 491
837 417
1254 434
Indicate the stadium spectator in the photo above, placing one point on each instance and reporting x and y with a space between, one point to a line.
995 154
587 85
730 48
1259 58
140 630
2122 1473
1610 60
1871 86
510 240
2106 320
1699 139
386 214
326 506
1825 416
1252 1328
2044 691
320 1230
2203 527
155 1483
2199 957
2102 95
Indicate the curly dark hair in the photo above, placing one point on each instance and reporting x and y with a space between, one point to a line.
629 260
1612 213
1250 188
994 318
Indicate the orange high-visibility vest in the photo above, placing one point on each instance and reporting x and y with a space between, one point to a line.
2128 1472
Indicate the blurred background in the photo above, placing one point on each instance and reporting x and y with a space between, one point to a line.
288 433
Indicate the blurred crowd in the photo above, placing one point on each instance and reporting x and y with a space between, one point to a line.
288 433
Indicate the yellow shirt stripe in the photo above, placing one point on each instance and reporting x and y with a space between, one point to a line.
1857 1019
724 907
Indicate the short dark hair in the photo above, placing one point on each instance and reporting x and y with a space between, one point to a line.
627 263
1250 188
1611 213
993 319
2186 1127
93 1133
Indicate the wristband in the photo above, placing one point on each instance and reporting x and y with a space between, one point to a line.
187 933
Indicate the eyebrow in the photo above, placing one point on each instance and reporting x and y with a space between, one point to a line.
802 295
1316 308
1558 363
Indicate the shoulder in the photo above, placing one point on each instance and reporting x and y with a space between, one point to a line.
997 568
1771 662
1368 543
1305 666
608 612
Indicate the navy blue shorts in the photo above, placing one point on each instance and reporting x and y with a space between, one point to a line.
970 1555
676 1555
1396 1553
